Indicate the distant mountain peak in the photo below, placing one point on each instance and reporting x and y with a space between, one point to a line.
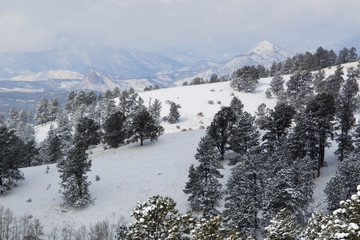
268 50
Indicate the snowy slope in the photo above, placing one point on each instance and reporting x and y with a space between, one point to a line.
53 74
127 175
264 53
132 173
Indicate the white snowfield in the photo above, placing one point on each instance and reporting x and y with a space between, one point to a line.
133 173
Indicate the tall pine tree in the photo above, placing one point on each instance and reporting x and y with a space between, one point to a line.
73 176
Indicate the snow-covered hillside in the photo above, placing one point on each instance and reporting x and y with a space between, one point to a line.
264 53
132 173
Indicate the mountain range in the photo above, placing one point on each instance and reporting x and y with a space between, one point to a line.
73 67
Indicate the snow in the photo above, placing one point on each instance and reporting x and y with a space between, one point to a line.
133 173
53 74
127 175
195 99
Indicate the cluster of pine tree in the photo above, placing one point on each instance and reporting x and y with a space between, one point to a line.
86 120
273 176
199 80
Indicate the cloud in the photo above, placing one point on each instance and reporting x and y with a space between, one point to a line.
155 24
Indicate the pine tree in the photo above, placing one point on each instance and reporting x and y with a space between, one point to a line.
157 218
50 149
283 226
344 183
243 199
220 129
10 159
335 192
24 130
343 223
319 81
334 82
245 79
345 113
277 84
245 137
64 131
262 116
211 229
143 127
54 108
73 176
69 102
174 114
237 106
314 227
278 123
299 88
290 183
320 115
42 112
12 120
203 185
114 127
87 131
155 110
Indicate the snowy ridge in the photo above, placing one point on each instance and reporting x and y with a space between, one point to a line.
53 74
132 173
97 81
265 53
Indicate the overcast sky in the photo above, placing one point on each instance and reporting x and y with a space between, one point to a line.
155 25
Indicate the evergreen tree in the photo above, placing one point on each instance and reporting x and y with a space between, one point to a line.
115 132
10 159
290 184
211 229
335 192
319 81
334 82
322 58
277 124
12 120
245 137
115 92
69 102
345 114
237 106
220 129
174 114
320 114
50 149
243 199
54 109
73 176
30 152
42 112
299 88
203 185
262 116
245 79
343 185
24 130
283 226
157 218
87 131
352 56
155 110
277 84
64 131
343 223
342 56
143 127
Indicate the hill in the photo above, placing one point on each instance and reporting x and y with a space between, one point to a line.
132 173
